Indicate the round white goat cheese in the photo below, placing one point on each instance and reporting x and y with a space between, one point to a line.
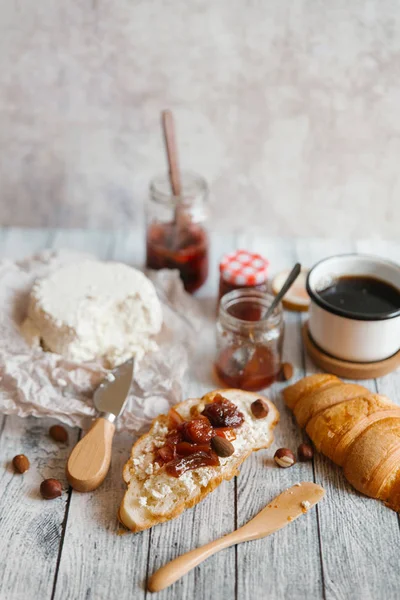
95 310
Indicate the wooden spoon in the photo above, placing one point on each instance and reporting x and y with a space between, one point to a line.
168 127
281 511
181 217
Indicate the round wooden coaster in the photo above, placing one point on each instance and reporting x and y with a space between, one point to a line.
344 368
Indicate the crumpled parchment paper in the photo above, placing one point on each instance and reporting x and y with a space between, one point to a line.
44 384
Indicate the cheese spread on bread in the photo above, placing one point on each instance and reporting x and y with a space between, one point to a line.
94 310
155 496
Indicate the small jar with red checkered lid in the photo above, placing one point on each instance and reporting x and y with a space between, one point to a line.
242 269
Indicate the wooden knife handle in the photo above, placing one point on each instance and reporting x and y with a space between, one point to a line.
89 461
181 565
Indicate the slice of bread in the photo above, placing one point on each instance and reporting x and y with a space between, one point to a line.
153 496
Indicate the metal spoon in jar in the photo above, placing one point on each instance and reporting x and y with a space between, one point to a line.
291 278
242 356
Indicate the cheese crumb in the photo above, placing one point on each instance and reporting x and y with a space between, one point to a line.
305 504
188 481
164 491
142 501
110 377
205 476
159 429
159 443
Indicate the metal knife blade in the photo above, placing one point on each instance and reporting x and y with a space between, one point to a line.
111 394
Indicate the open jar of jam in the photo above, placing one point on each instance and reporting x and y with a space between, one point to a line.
176 235
249 346
242 270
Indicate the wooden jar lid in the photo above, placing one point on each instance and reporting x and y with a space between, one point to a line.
296 298
344 368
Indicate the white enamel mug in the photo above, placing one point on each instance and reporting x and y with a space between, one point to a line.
345 334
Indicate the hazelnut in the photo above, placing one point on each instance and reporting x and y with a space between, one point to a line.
284 458
305 452
222 447
21 463
51 488
287 371
259 408
58 433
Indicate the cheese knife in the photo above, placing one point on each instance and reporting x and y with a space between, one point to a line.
279 513
89 461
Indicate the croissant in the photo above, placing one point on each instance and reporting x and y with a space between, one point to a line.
358 430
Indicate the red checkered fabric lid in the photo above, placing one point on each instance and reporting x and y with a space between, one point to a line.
244 268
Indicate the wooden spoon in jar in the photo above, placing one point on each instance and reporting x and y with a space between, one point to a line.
281 511
168 127
182 220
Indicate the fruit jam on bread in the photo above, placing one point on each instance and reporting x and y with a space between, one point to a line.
164 479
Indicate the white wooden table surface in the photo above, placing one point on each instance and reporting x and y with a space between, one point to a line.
70 548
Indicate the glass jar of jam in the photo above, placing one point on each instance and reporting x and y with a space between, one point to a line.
249 346
242 270
176 236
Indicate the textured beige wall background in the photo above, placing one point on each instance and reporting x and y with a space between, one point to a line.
290 108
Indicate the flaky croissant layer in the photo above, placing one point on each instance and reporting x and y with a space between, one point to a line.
358 430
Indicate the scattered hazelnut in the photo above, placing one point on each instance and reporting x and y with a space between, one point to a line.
287 371
50 488
21 463
259 408
284 458
222 447
58 433
305 452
